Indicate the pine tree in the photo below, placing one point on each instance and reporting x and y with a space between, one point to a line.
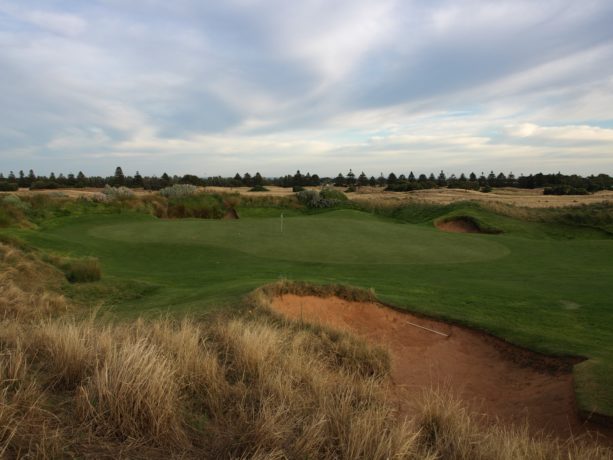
350 178
118 179
339 181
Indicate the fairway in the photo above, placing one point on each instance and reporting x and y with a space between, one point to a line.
338 237
542 287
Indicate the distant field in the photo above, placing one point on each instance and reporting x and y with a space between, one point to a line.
544 286
512 196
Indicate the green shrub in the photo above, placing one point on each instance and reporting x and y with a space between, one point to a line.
328 193
202 206
564 190
297 188
258 188
78 270
44 185
117 193
315 199
8 187
179 190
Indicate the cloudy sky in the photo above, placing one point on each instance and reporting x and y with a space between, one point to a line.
211 87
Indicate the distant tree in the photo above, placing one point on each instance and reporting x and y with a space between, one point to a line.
52 176
118 178
339 181
431 177
350 178
381 180
298 179
372 181
442 180
22 181
391 178
247 180
362 179
422 178
164 180
137 181
315 180
11 177
258 179
411 177
501 180
472 177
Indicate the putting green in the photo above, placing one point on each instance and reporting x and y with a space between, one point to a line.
346 237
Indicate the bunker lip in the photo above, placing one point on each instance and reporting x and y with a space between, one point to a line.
460 225
492 377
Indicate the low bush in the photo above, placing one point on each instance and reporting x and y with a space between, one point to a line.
328 193
81 270
564 190
202 205
258 188
44 185
179 190
297 188
117 193
8 186
327 198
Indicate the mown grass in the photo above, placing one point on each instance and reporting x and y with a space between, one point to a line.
542 284
235 386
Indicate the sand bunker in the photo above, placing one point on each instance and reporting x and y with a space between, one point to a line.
491 376
458 226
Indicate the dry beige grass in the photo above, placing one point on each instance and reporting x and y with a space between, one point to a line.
25 284
507 196
252 386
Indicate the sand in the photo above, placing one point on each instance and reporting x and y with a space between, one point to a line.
490 376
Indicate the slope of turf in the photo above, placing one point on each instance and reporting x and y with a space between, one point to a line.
528 286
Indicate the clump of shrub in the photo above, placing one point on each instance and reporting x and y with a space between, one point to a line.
81 270
564 190
8 187
328 193
297 188
258 188
179 190
44 185
117 193
202 206
327 198
12 210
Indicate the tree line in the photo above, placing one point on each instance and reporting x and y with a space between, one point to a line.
552 183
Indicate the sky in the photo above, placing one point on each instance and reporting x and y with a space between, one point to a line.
214 88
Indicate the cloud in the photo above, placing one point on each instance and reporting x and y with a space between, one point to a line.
271 85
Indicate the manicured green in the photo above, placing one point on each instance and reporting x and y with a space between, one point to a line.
548 287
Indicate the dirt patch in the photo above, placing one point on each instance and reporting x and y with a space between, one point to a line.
492 377
231 214
458 226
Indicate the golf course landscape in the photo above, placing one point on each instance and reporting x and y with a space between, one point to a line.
544 285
